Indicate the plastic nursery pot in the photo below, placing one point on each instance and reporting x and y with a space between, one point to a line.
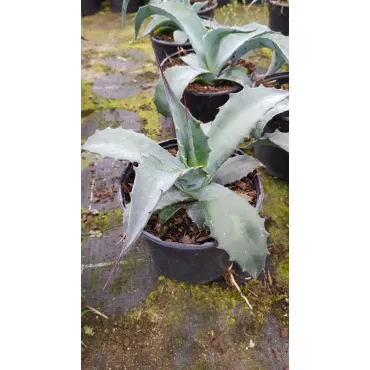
209 12
132 7
276 159
164 49
89 7
279 17
189 263
222 3
204 106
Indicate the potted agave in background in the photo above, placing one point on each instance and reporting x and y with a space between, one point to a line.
193 187
275 159
279 16
165 35
207 76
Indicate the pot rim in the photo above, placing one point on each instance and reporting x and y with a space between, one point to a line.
198 93
276 3
174 245
167 43
213 7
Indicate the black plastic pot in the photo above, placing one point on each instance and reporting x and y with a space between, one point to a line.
163 49
89 7
132 7
190 263
279 17
204 106
222 3
275 159
209 12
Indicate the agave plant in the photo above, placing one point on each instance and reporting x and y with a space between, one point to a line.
213 49
195 178
161 23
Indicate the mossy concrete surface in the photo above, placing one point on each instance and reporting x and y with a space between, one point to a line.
156 323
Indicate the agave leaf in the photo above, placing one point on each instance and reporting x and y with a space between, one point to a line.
193 61
236 120
166 213
236 226
126 145
217 47
178 77
274 41
237 74
277 62
154 177
172 196
199 5
277 138
124 11
193 180
185 18
193 148
156 22
281 107
180 37
195 212
210 23
236 44
235 168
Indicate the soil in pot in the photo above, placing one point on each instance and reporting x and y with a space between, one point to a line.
180 228
204 99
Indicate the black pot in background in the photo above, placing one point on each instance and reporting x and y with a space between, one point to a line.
209 12
275 159
279 17
222 3
204 106
163 49
132 7
89 7
190 263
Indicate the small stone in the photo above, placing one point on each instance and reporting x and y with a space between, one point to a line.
277 354
284 332
251 344
126 342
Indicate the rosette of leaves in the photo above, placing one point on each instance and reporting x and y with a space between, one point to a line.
160 23
214 48
195 178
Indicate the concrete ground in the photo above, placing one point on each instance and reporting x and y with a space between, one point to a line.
153 322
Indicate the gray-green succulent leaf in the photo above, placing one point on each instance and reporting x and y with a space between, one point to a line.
237 119
126 145
235 225
235 168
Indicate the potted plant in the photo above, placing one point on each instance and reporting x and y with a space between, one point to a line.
279 16
193 185
89 7
213 64
166 37
131 6
275 159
